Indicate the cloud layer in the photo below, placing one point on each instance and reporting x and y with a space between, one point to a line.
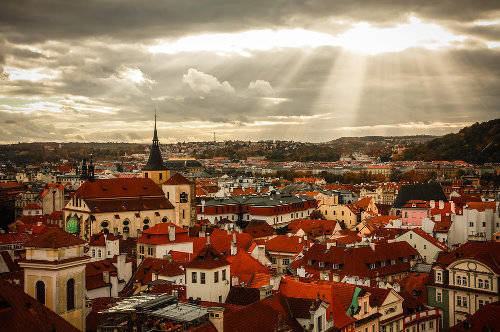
96 71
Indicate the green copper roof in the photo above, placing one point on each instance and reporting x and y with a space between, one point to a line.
72 225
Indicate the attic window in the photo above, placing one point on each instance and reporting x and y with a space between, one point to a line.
117 216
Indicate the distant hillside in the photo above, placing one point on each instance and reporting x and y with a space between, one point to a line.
478 143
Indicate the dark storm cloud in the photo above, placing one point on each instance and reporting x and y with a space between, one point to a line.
101 83
34 21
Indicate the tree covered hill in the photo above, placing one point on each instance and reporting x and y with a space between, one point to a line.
479 143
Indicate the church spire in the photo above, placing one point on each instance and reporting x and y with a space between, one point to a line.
155 135
155 161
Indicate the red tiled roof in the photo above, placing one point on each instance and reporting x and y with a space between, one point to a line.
482 206
113 188
245 267
54 238
416 285
129 204
21 312
8 238
429 238
313 227
161 266
259 228
338 295
32 206
487 253
284 243
98 239
363 203
177 179
208 258
485 318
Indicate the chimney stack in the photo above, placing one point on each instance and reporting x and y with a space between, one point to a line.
171 233
216 317
441 204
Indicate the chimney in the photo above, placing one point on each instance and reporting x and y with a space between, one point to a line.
235 281
234 250
265 291
201 234
216 317
441 204
300 239
452 207
171 233
432 204
105 276
203 206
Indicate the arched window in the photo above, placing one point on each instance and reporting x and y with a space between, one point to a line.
93 252
126 229
70 294
40 291
165 219
145 227
146 221
99 253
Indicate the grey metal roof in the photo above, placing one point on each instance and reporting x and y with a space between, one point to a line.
259 200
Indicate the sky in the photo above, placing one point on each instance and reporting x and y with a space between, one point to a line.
315 70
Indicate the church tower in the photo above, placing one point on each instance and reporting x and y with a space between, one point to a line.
155 168
54 274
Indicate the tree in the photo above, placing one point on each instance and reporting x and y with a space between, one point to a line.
317 215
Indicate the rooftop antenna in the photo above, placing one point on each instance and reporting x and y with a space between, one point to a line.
214 137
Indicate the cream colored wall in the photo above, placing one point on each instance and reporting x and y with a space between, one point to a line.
210 291
155 176
334 212
172 192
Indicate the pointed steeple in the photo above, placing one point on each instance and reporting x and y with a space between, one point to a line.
155 135
155 161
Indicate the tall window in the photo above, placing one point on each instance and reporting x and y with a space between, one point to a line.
216 276
70 294
202 278
40 291
223 274
193 277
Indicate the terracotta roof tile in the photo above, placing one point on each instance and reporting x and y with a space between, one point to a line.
20 312
54 238
109 188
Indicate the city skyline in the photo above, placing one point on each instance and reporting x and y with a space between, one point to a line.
97 71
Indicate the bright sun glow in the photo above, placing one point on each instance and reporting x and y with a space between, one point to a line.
33 75
361 38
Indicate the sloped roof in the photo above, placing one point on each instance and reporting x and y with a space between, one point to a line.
259 228
242 295
98 239
32 206
54 238
177 179
244 266
114 188
485 318
208 258
487 253
482 206
21 312
128 204
284 243
424 192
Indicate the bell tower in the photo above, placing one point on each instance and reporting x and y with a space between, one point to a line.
54 274
155 169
